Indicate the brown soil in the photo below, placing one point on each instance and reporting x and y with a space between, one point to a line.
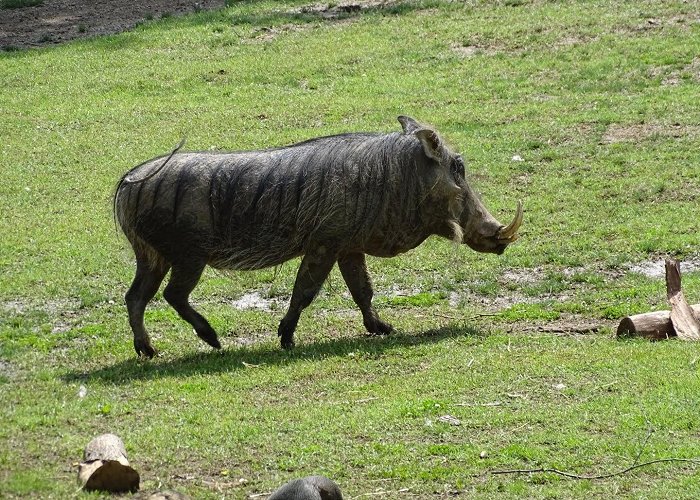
640 132
58 21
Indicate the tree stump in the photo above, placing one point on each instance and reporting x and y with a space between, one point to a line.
105 467
682 316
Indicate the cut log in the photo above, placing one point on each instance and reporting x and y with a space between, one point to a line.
106 468
681 320
105 447
684 320
655 325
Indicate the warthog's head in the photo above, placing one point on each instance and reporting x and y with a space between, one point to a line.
468 221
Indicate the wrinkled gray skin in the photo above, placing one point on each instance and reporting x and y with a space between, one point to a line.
308 488
331 199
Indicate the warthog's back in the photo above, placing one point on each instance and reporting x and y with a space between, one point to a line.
248 210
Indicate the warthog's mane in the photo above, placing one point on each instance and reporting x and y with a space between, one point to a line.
255 209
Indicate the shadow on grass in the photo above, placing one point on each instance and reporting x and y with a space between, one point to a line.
60 23
233 359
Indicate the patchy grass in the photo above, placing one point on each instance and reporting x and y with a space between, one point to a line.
590 120
18 4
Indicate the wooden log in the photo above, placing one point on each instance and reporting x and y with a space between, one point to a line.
682 320
685 323
106 468
655 325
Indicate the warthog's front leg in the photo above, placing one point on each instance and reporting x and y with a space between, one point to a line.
313 271
354 270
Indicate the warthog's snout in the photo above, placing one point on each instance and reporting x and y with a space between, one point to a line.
484 233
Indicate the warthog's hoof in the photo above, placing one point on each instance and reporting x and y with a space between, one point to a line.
144 349
286 332
287 343
378 327
209 336
214 343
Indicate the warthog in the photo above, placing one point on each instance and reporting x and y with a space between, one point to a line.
330 199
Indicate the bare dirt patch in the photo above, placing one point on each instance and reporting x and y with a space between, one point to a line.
50 307
59 21
694 69
7 370
340 13
574 41
656 268
617 133
472 50
269 33
567 325
331 11
259 301
671 76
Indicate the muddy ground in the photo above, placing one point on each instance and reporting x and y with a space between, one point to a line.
59 21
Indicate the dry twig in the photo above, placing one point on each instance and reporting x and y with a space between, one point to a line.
381 493
599 476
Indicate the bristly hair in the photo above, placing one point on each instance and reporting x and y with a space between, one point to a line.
255 209
453 221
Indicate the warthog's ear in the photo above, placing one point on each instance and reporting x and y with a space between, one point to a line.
432 145
409 124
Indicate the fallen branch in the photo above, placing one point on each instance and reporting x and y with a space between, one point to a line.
494 403
569 330
355 402
381 493
452 317
571 475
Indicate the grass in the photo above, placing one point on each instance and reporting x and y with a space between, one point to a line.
602 111
18 4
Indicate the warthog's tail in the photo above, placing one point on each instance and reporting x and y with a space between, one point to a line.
126 180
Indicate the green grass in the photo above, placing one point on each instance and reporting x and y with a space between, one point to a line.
17 4
601 108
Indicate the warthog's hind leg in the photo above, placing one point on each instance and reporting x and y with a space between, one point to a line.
142 290
313 271
354 270
183 279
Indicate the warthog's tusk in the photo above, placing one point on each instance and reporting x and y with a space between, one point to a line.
509 232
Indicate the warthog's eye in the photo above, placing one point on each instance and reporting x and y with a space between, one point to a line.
457 167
